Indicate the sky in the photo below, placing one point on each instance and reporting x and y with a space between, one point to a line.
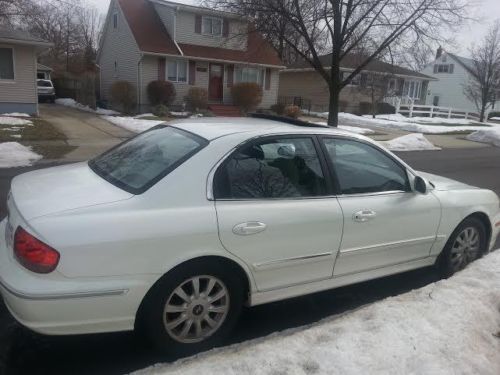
486 11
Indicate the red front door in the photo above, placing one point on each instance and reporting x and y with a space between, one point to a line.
215 83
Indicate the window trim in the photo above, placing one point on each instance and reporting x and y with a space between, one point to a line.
186 62
13 79
333 172
203 18
330 191
119 184
115 20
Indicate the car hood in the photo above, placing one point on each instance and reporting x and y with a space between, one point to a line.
442 183
57 189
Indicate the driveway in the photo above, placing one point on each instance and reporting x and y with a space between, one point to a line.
85 130
24 352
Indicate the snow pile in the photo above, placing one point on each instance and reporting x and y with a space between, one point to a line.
67 102
448 327
410 142
133 124
352 129
13 121
16 114
491 136
13 154
399 122
144 115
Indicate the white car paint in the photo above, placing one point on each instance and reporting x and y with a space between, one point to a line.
115 245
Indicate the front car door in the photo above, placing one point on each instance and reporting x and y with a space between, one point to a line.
276 213
385 222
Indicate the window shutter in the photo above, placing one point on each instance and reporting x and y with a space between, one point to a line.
192 72
225 27
436 68
452 68
162 62
197 24
267 83
230 75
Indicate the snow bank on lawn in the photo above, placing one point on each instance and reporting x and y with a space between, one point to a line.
144 115
67 102
426 120
491 136
133 124
410 142
352 129
16 114
448 327
13 154
399 122
13 121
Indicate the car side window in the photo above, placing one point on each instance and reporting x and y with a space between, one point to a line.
273 168
361 168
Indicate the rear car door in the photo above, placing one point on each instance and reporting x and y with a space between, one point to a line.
275 210
385 221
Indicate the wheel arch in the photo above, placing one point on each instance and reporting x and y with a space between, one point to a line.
230 263
483 218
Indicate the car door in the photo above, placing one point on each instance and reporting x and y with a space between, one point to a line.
276 212
385 221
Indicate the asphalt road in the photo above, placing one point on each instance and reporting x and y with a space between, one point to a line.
22 351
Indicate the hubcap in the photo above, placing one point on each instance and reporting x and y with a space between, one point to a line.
465 248
196 309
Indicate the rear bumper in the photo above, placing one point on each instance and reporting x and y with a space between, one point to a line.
55 305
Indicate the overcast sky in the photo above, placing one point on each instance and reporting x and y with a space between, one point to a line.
486 12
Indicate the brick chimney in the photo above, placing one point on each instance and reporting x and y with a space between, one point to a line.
439 52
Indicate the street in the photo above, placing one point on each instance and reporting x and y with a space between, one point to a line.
22 351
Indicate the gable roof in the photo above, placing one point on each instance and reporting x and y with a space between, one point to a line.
152 37
15 36
467 63
351 62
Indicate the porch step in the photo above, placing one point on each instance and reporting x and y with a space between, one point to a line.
225 110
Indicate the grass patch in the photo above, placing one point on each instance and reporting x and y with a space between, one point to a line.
40 131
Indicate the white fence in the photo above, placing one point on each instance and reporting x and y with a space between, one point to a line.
417 110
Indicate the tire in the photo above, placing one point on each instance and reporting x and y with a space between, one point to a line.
159 323
466 244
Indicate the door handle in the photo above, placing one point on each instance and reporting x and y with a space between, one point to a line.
364 215
252 227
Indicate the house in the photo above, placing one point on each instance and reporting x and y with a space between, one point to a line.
43 71
301 84
18 70
452 74
147 40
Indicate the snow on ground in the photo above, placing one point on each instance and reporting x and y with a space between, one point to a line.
410 142
491 136
16 114
133 124
13 121
448 327
67 102
144 115
399 122
13 154
352 129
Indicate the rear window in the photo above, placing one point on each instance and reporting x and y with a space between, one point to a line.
44 84
141 162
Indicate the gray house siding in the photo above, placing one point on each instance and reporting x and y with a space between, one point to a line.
167 16
118 47
19 94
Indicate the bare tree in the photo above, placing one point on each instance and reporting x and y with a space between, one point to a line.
378 86
339 27
484 84
11 10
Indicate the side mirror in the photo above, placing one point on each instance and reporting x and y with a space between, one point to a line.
420 185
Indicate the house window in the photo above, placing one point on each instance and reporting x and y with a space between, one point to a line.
115 20
246 74
212 26
412 89
177 71
6 63
444 68
392 86
356 81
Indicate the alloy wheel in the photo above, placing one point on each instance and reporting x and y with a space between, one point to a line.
466 248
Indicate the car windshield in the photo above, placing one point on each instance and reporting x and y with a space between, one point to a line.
44 84
141 162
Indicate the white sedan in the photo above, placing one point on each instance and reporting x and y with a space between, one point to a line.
175 230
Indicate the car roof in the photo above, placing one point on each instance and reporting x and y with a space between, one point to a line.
211 128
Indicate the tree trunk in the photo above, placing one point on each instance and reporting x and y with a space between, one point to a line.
333 107
483 112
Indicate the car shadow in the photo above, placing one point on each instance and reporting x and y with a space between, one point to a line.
23 351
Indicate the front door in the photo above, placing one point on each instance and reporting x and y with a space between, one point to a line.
385 221
215 84
276 213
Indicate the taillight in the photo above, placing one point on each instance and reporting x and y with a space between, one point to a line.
33 253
